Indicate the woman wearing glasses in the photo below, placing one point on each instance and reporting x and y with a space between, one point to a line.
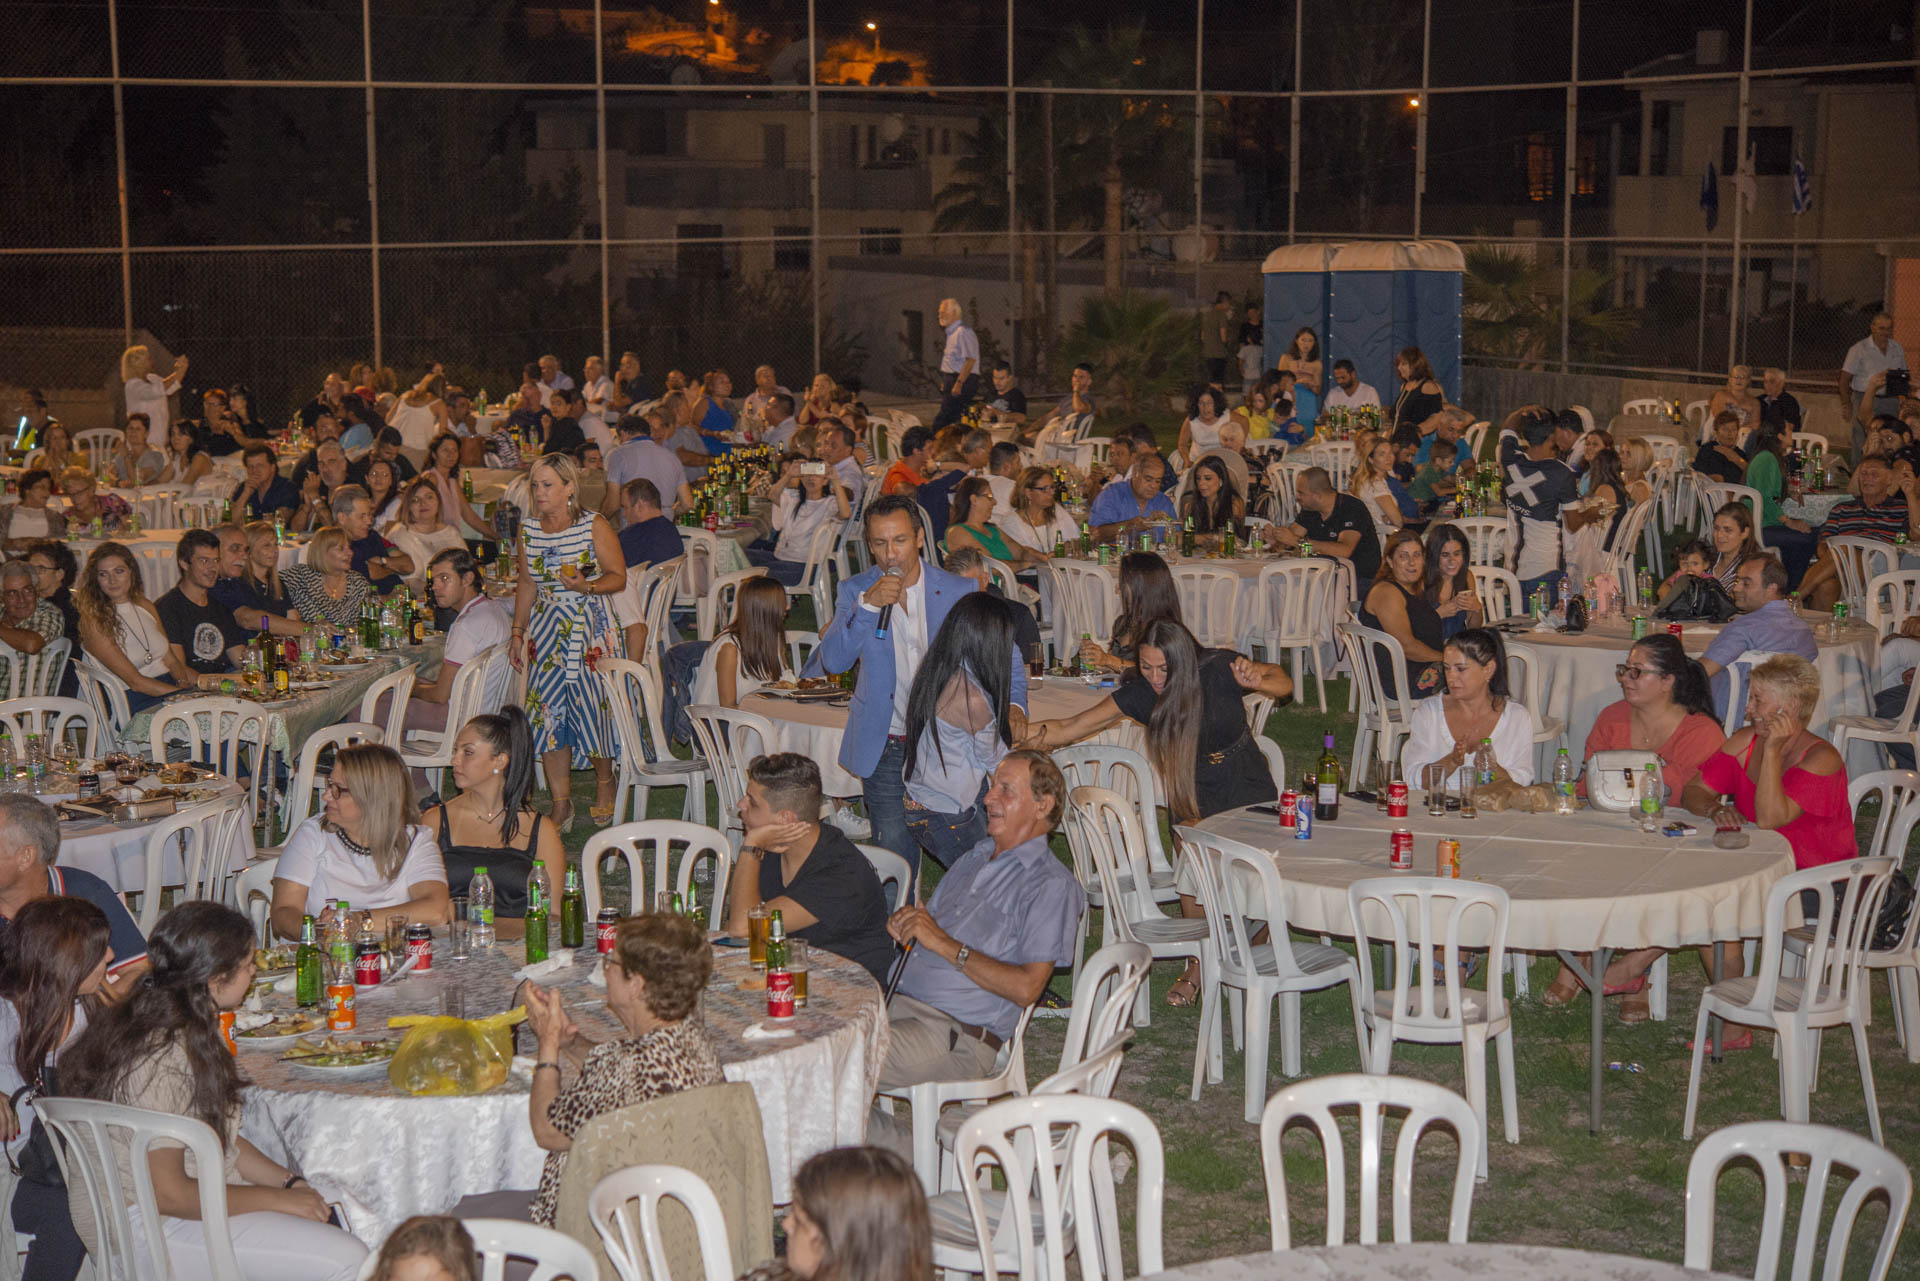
1039 518
367 846
1666 712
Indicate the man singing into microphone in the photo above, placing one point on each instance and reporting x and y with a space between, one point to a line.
884 619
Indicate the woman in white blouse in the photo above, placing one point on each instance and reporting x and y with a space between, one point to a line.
367 846
187 462
804 502
1038 518
419 414
1476 706
422 531
120 629
1206 415
147 391
750 651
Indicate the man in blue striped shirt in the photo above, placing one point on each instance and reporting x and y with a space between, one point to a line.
959 366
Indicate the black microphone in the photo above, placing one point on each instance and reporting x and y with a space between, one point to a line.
886 611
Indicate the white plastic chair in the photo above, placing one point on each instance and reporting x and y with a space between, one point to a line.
400 685
1071 1191
232 723
624 1209
1104 836
1499 591
1767 1144
647 849
729 739
207 840
1547 730
1642 405
1425 1105
1720 494
715 607
1738 672
552 1254
1879 730
1489 539
1279 969
1383 719
1293 611
51 719
1899 793
1835 991
1426 920
1476 435
656 590
897 882
819 554
106 694
1892 598
1618 559
1334 455
926 1099
433 749
84 1131
307 780
1859 561
159 568
1209 596
253 894
1695 413
1096 599
35 675
99 445
633 700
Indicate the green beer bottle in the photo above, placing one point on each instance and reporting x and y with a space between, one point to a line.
539 891
573 910
306 967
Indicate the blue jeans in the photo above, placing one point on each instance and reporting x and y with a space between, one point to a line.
886 797
1552 582
1796 548
681 664
945 837
787 573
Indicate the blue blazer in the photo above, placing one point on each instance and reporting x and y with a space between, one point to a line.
851 639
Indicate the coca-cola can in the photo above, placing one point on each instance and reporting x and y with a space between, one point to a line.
779 994
1303 816
603 926
1396 799
1673 629
420 947
1288 799
366 965
1400 850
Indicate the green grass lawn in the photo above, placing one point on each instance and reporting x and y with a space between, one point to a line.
1621 1191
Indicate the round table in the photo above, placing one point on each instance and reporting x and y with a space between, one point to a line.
814 1088
1586 882
1577 681
1434 1261
117 852
815 728
1814 507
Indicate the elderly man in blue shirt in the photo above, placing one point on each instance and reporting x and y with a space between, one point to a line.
985 947
1770 624
1132 502
959 366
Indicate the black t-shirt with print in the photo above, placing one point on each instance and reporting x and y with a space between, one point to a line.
204 633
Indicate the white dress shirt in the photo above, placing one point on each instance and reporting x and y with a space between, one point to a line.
907 629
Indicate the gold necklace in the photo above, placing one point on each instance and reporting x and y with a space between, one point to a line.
485 817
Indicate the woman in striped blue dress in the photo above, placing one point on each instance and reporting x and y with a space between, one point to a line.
570 563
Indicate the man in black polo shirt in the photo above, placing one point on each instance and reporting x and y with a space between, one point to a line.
649 537
383 563
265 493
202 631
1332 524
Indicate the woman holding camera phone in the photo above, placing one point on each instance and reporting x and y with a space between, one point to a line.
808 496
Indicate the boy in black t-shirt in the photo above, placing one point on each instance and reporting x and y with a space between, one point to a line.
202 631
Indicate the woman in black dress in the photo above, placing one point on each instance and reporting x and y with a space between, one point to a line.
1147 594
489 824
1397 605
1189 701
1420 396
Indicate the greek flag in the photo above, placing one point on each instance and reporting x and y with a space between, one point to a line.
1710 196
1802 187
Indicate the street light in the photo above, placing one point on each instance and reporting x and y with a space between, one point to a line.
875 28
1414 103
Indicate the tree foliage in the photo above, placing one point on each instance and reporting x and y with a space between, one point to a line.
1141 347
1512 309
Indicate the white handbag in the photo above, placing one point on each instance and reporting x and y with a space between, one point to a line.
1613 780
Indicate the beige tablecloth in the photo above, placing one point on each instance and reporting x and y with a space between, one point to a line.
1577 881
387 1155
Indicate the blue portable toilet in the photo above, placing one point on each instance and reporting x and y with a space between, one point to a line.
1374 298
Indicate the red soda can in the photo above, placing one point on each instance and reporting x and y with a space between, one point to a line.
420 947
1673 629
366 965
1400 847
1396 799
779 994
713 521
1288 799
603 926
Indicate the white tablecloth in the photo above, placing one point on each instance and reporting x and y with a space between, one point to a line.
1814 508
1576 672
117 852
1430 1260
387 1155
815 729
1577 881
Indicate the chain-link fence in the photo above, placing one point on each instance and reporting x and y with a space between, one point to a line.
280 187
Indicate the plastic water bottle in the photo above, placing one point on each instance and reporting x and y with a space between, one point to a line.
36 763
480 907
1563 783
6 765
1483 764
1653 800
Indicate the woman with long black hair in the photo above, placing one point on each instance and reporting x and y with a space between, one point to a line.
1793 539
1451 591
489 824
1189 701
961 719
1147 594
750 651
53 959
1211 501
161 1049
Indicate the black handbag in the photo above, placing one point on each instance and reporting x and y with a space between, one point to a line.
1697 600
35 1162
1895 908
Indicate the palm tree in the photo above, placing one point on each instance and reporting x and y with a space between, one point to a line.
1140 346
1512 309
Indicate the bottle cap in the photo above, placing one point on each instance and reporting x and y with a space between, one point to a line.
479 871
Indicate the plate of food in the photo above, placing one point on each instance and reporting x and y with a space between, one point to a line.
182 772
340 1058
806 689
272 962
281 1030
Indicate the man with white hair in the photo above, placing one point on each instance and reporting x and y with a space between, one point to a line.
552 377
27 623
1864 373
384 564
1778 407
959 366
29 844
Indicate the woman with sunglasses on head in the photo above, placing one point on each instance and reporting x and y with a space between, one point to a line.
1665 711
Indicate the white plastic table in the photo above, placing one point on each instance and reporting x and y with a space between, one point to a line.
1433 1261
1586 882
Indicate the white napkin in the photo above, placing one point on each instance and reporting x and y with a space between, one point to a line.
599 976
246 1020
761 1032
540 969
285 983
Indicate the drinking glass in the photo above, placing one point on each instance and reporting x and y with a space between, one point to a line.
1433 778
797 966
663 902
396 940
1467 809
460 930
758 922
1036 659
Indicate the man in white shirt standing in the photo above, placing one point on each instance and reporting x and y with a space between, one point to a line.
1877 353
1348 391
959 366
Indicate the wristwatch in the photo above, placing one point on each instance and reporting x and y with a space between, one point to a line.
960 957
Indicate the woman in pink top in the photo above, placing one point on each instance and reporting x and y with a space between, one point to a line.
1665 710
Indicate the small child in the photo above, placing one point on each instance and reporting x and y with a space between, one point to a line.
1694 557
1433 483
1252 357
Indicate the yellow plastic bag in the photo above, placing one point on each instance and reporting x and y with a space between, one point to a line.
443 1055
